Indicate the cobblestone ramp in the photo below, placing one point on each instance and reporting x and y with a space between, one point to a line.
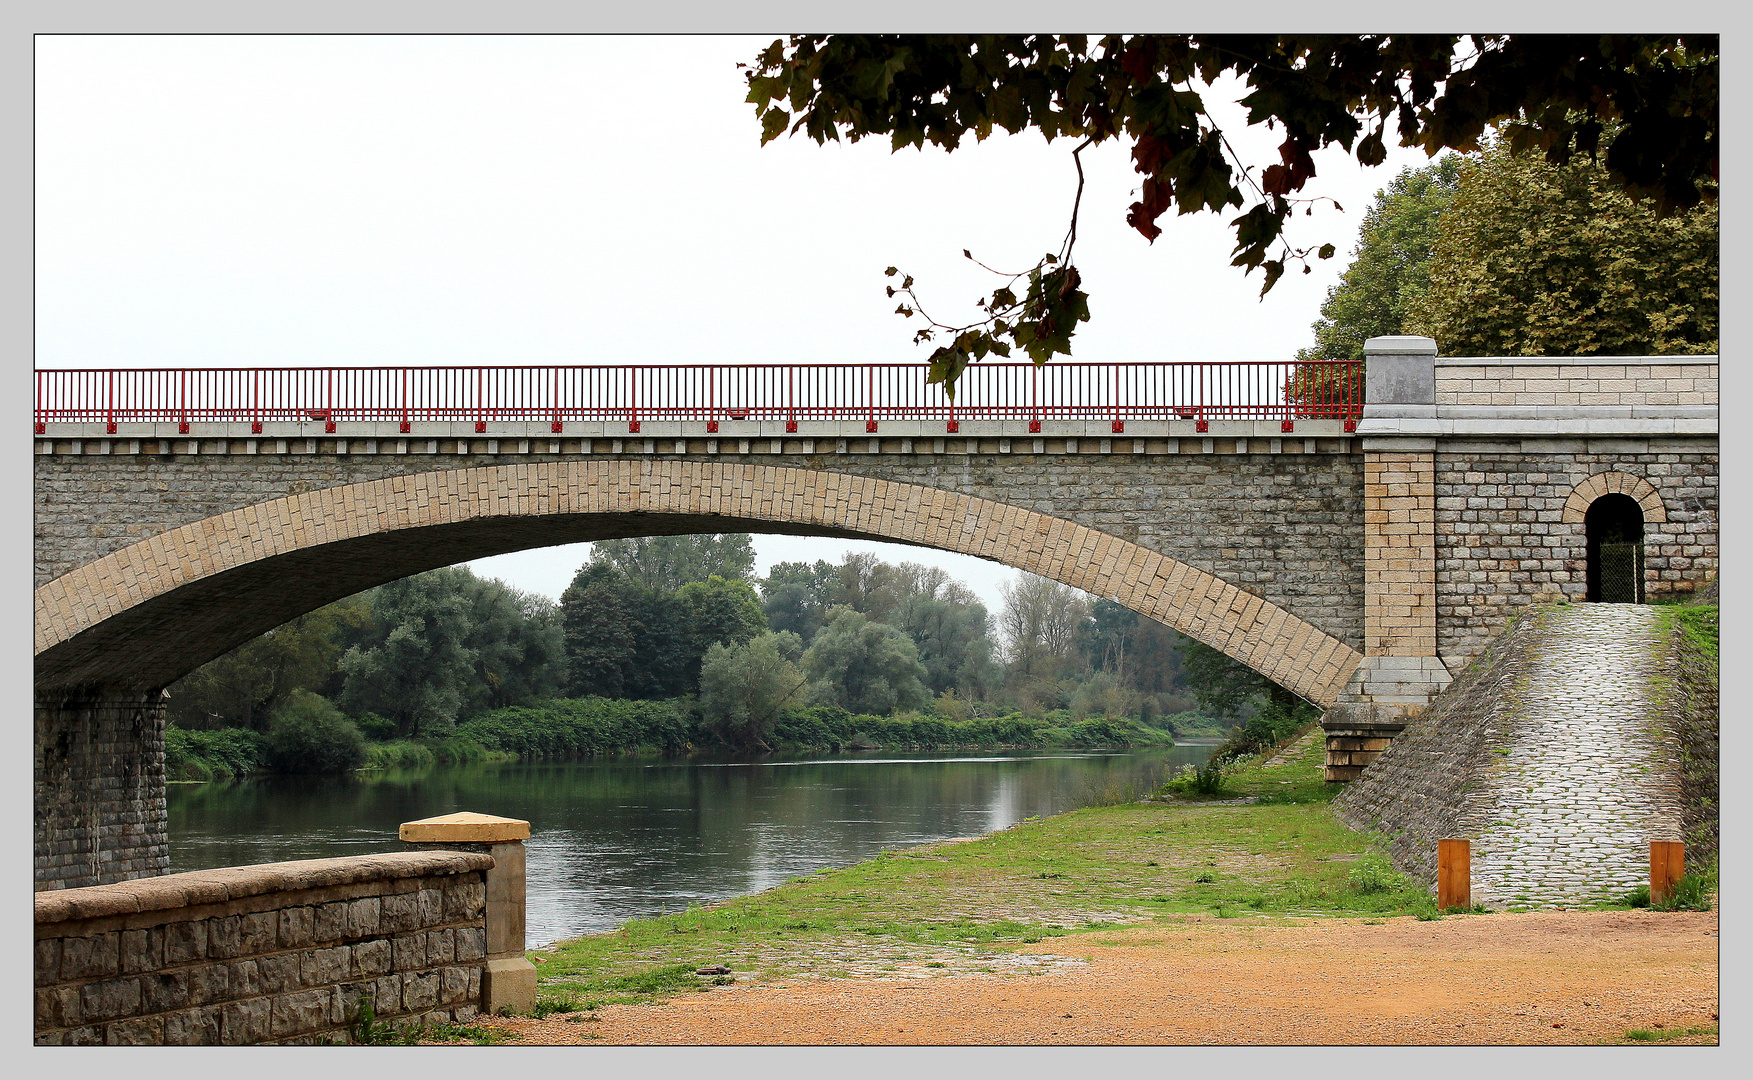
1584 785
1545 754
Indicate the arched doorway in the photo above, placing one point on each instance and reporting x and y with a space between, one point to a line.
1614 527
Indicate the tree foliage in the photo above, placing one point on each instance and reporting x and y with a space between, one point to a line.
1225 687
1552 92
864 666
445 644
1390 266
309 735
1141 653
243 687
717 612
517 642
952 632
948 625
417 671
1041 620
1537 259
744 687
796 596
666 563
623 639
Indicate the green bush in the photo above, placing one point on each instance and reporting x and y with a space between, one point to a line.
585 727
400 754
1373 875
1205 779
376 728
208 755
309 735
1691 893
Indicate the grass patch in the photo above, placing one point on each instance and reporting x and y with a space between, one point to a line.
1692 892
1645 1035
1124 864
1697 622
365 1029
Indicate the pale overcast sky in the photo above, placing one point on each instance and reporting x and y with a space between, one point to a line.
225 201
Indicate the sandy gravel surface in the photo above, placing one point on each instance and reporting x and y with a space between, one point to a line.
1543 977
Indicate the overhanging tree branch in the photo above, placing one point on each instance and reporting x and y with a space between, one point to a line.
1551 91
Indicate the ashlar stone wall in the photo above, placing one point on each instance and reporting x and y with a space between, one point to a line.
99 775
1503 541
276 953
1280 518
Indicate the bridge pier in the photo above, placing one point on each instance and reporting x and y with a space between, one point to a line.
1401 670
99 783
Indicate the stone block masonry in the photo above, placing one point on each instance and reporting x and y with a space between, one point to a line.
1508 535
1531 382
99 775
277 953
1279 518
1399 503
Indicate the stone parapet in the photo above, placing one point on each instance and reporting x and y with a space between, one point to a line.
278 953
1620 381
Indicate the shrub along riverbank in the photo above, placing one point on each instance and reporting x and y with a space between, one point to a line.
593 727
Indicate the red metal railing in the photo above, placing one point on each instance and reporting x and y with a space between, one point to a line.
704 394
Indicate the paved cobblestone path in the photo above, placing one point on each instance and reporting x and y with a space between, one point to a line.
1583 787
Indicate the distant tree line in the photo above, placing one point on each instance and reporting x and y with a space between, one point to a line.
685 618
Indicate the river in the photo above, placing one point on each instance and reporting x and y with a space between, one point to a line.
627 838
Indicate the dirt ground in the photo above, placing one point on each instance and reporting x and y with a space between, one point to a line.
1549 977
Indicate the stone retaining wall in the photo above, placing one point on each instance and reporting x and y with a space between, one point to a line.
1502 541
1420 788
277 953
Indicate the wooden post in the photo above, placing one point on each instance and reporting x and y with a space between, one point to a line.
508 979
1454 874
1667 866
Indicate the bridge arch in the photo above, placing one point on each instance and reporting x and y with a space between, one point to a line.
149 613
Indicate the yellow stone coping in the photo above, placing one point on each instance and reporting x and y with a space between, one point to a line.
464 828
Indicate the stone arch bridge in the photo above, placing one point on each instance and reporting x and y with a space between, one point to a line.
1355 559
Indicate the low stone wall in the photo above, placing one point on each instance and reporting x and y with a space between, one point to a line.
277 953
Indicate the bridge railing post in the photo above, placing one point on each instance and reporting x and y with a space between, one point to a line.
508 979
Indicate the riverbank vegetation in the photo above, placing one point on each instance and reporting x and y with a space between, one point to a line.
672 645
968 904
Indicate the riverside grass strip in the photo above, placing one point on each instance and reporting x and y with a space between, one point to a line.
964 906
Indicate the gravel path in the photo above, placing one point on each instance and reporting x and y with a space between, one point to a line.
1583 788
1538 978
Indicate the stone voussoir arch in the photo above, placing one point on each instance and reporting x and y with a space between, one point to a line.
1576 506
236 557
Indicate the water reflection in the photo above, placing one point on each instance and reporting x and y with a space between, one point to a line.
631 838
